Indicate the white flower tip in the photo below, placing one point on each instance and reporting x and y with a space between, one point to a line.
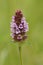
19 37
13 17
12 35
13 24
13 20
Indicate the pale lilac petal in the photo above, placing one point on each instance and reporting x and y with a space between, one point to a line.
24 21
13 17
25 27
12 30
13 20
16 27
23 18
12 35
13 24
21 26
17 31
19 37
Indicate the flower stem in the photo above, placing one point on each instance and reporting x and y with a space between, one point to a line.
20 55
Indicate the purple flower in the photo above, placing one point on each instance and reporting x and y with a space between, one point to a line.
17 31
12 35
19 37
21 26
12 30
18 26
12 24
25 27
13 18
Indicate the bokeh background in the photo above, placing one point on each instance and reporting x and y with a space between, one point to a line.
32 50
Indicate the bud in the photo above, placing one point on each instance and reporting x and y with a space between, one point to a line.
18 26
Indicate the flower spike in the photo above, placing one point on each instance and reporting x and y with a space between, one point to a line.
18 26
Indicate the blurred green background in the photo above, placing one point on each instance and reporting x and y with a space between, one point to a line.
32 50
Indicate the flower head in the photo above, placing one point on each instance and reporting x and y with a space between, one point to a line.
18 26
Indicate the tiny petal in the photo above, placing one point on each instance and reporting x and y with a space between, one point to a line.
13 24
23 18
12 30
13 20
21 26
25 27
23 21
13 17
19 37
12 35
17 31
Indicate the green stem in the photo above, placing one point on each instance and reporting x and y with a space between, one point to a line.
20 55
